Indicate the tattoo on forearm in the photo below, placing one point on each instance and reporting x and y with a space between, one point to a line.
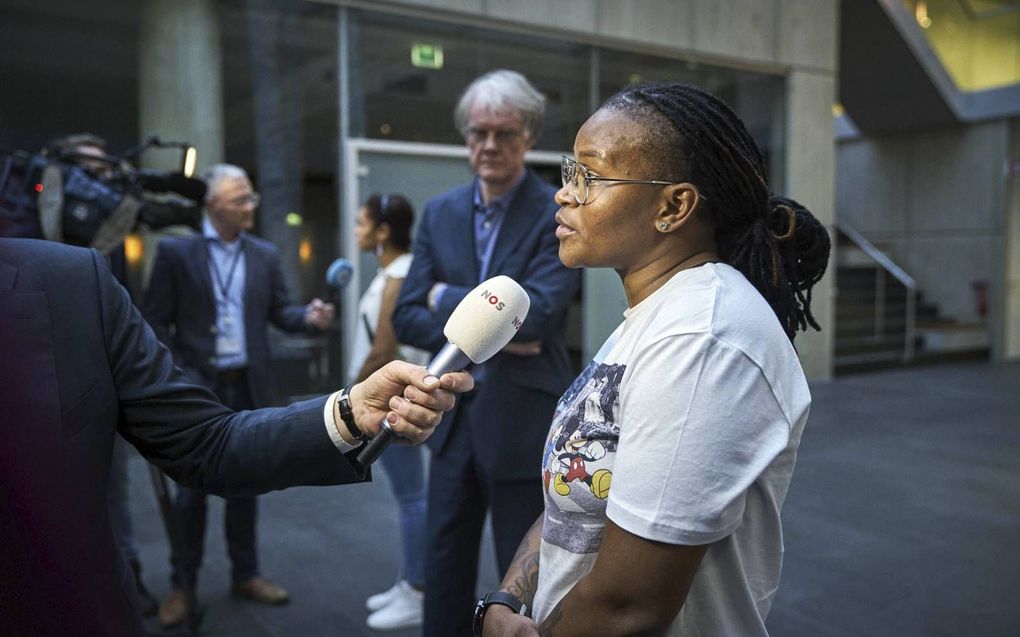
522 576
525 584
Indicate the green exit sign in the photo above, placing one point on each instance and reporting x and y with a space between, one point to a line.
427 56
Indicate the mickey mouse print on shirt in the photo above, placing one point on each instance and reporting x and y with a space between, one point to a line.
577 464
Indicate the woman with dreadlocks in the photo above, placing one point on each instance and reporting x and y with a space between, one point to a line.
670 456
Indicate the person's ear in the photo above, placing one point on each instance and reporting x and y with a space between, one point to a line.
382 233
679 203
529 140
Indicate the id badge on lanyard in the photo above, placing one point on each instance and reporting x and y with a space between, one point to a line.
228 342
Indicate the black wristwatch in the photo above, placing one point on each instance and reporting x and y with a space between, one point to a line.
347 414
497 597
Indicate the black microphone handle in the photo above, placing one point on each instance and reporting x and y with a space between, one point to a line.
449 359
333 296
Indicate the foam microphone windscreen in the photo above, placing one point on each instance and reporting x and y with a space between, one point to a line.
488 317
339 273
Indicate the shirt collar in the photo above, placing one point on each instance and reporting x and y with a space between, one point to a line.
209 232
500 203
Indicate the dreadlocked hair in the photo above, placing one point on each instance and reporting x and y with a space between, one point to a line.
773 241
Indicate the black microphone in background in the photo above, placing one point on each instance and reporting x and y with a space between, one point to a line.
481 325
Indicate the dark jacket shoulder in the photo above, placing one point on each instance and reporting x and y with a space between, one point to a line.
62 261
261 244
458 195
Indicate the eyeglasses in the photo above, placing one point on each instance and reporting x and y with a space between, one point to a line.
577 179
481 135
253 198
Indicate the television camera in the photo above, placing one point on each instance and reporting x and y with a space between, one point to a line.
80 195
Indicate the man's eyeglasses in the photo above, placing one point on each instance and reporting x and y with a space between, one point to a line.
253 198
577 179
481 135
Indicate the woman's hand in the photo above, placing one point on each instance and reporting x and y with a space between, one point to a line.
501 621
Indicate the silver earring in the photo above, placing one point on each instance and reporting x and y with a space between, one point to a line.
663 226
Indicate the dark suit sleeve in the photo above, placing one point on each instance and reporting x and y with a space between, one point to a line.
551 286
180 427
285 315
413 322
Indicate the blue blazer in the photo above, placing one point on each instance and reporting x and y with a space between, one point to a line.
180 305
511 410
78 365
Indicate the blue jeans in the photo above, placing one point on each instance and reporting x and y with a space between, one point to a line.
404 465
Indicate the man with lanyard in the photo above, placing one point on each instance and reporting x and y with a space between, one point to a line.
209 300
484 453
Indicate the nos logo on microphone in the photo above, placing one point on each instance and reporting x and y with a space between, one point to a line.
500 305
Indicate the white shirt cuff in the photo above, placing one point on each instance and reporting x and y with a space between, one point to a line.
331 428
436 296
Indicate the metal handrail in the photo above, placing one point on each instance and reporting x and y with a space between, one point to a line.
885 264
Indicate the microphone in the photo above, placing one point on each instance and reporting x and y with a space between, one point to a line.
339 274
481 325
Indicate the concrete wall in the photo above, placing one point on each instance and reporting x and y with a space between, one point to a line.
1010 327
934 201
754 32
180 83
810 179
797 38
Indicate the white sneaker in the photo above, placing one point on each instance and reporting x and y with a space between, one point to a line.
379 600
405 609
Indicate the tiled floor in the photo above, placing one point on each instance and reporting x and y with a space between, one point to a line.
903 520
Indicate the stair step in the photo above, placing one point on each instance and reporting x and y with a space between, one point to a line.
869 293
868 297
861 284
850 347
953 337
858 324
868 283
868 358
867 311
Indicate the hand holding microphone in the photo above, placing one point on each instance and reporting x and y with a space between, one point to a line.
319 313
408 396
481 325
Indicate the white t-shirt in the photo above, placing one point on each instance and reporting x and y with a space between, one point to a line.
368 317
684 429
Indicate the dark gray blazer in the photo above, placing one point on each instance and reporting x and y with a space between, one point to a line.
78 364
181 308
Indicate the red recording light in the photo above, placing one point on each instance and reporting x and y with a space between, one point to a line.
38 187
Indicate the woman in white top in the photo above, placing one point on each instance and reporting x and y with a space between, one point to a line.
384 227
668 459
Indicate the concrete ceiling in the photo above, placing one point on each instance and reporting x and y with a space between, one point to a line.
890 79
882 84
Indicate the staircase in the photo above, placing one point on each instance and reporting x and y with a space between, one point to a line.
881 320
871 319
874 307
